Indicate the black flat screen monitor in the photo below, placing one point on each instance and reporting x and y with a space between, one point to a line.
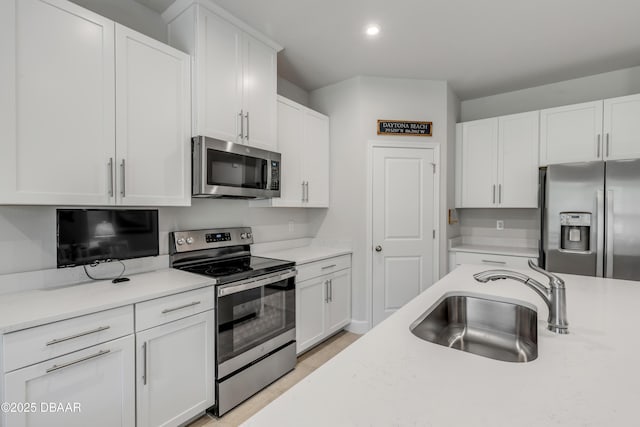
89 236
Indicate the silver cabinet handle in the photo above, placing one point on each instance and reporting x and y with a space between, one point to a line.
240 114
169 310
81 334
144 361
247 117
331 290
608 250
122 168
84 359
326 291
494 194
327 266
607 145
489 261
110 166
499 193
598 149
307 191
378 248
303 191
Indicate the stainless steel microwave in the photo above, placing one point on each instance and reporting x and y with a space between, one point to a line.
225 169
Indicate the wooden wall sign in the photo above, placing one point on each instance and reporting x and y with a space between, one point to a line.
403 127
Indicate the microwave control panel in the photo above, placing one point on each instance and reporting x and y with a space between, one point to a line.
275 175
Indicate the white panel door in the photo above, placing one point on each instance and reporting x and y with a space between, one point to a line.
315 159
480 163
403 226
518 160
100 379
153 87
175 372
57 103
572 133
339 305
260 94
218 78
311 301
622 128
290 138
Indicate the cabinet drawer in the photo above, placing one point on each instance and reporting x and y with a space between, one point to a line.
173 307
496 261
326 266
29 346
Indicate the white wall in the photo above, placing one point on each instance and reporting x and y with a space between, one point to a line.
354 106
591 88
28 233
293 92
130 14
519 224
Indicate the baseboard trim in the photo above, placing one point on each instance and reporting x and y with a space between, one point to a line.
358 327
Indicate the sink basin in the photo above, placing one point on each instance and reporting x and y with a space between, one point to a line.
491 328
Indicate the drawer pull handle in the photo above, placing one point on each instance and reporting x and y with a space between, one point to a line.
81 334
84 359
493 262
328 266
169 310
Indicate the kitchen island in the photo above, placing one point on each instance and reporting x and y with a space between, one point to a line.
389 377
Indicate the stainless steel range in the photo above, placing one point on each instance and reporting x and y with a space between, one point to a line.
255 309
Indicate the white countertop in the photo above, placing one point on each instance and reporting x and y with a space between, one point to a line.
496 250
27 309
305 254
389 377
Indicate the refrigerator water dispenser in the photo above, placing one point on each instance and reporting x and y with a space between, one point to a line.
575 228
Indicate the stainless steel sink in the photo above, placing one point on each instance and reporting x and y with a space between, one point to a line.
491 328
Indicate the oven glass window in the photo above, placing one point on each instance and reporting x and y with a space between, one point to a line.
234 170
249 318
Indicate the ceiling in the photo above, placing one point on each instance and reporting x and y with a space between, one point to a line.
480 47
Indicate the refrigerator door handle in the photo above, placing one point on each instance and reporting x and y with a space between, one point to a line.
609 244
600 233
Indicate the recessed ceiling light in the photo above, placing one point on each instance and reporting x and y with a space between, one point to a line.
372 30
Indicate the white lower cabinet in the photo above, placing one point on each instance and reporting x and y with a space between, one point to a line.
323 304
91 387
174 365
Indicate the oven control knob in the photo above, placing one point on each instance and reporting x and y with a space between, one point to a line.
249 235
180 241
244 236
189 240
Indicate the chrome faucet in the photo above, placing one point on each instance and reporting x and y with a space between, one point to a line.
554 296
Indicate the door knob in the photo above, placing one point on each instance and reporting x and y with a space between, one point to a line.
378 248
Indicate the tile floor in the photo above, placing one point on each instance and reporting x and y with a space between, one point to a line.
307 363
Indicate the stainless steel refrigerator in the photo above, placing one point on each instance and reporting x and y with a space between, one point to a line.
590 219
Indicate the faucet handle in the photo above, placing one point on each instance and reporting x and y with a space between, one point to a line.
553 279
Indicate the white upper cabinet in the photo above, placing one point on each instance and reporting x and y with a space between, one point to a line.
303 141
497 162
69 76
571 133
57 104
621 128
153 96
235 78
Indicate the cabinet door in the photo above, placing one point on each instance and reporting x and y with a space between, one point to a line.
622 128
518 160
290 134
153 113
339 301
480 163
175 373
98 382
57 103
260 94
311 312
572 133
315 159
217 87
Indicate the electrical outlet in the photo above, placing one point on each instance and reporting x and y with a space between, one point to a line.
499 224
291 226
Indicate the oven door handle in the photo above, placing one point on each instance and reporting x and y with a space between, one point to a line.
245 286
